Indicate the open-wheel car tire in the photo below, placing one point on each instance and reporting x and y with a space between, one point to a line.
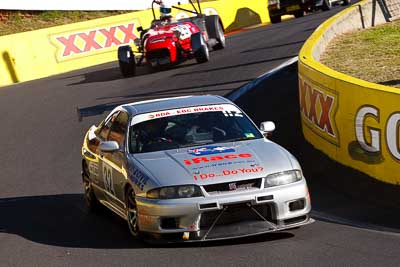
202 55
126 60
326 5
220 38
215 31
200 48
346 2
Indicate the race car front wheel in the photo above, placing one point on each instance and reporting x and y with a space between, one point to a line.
126 60
202 54
90 198
200 48
131 213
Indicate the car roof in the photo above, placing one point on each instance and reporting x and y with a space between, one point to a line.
172 103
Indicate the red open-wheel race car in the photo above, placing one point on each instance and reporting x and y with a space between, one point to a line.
169 42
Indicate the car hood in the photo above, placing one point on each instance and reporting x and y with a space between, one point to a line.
217 163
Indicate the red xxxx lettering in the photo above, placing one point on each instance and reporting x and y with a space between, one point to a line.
110 35
69 45
89 40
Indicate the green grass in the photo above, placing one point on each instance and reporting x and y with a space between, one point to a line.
44 19
18 23
372 55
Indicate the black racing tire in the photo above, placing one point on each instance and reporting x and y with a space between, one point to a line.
200 48
326 5
298 14
220 38
275 18
215 30
346 2
202 55
126 60
92 204
131 213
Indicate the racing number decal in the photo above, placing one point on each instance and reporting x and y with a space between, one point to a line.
108 179
232 114
184 30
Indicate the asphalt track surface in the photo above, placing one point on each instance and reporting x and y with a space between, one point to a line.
43 219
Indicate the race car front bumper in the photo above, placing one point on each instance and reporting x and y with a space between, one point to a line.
226 215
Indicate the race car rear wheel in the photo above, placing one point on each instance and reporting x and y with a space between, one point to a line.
126 60
92 203
215 30
346 2
131 213
326 5
220 38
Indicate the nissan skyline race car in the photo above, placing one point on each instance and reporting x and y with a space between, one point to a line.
192 168
171 42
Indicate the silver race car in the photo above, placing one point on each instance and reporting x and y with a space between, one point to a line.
192 168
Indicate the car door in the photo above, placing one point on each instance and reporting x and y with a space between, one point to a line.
114 163
100 181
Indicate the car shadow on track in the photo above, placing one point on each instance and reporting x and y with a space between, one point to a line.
235 66
62 220
114 73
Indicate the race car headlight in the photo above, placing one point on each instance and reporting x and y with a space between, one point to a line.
282 178
170 192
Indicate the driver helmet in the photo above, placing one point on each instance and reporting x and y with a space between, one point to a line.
165 10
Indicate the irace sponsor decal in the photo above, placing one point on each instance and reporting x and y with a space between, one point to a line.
210 150
91 41
200 160
317 107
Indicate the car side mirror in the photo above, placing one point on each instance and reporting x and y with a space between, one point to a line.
139 29
267 127
109 146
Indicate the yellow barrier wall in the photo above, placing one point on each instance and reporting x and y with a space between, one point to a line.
36 54
352 121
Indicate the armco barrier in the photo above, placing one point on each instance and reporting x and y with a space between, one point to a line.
352 121
36 54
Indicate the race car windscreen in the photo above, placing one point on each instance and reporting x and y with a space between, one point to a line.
187 127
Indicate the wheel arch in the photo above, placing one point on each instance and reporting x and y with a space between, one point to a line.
85 168
128 186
